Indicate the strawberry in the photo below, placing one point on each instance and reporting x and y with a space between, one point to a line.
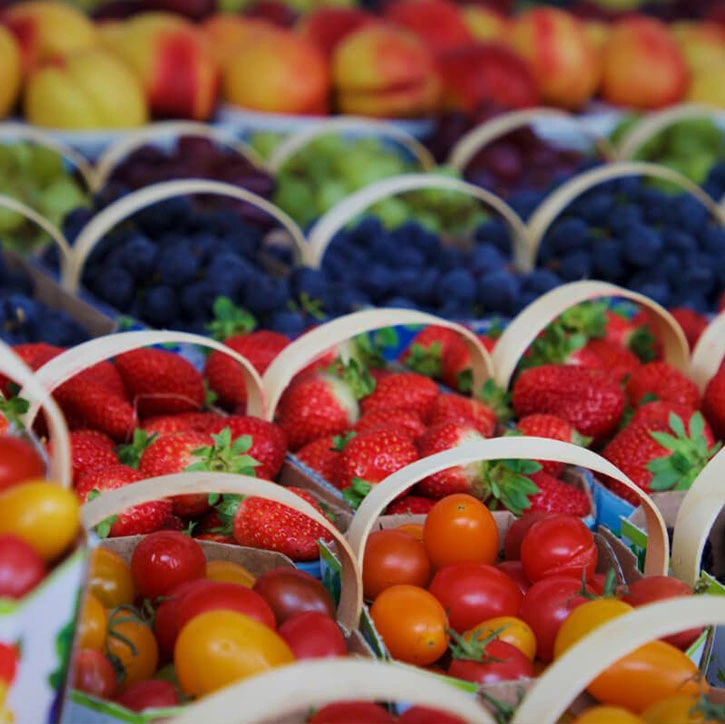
661 381
210 528
169 424
588 399
456 362
661 457
554 428
403 391
618 361
656 415
459 479
138 520
173 522
556 496
11 411
426 350
464 411
410 505
322 456
692 323
91 450
268 441
260 523
636 334
161 382
370 457
106 375
401 420
35 355
713 403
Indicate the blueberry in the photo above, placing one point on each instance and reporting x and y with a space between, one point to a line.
541 281
264 294
595 207
496 232
698 274
287 322
160 306
525 202
418 286
454 309
575 266
311 282
608 260
524 299
643 246
410 258
449 257
713 241
679 241
177 265
232 268
138 257
114 286
197 299
401 303
62 331
655 204
369 227
19 282
567 235
458 285
671 266
486 258
623 217
74 222
379 282
691 299
168 214
657 289
629 186
689 213
498 292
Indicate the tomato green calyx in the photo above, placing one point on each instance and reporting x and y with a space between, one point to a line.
113 622
230 320
506 483
355 494
103 529
425 360
473 648
225 456
502 711
709 711
11 408
131 453
610 589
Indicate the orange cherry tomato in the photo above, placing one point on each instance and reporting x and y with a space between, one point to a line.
460 528
412 624
608 715
391 558
679 710
109 579
93 624
512 630
229 572
133 644
414 529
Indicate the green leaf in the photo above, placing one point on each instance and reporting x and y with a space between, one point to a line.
230 320
131 453
339 441
213 498
12 408
354 494
464 380
677 426
103 529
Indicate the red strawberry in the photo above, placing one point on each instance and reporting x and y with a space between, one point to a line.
554 428
401 420
210 528
268 442
260 523
456 362
35 355
465 411
426 350
403 391
411 505
138 520
369 458
161 382
636 335
556 496
656 415
169 424
713 403
106 375
91 450
617 361
692 323
661 457
588 399
173 522
459 479
225 376
322 456
661 381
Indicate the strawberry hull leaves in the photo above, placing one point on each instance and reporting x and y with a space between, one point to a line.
225 456
506 483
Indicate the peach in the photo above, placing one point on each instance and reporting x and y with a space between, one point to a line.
384 72
278 72
485 23
702 44
706 86
326 27
225 33
46 29
173 60
11 71
89 89
598 33
438 23
643 67
560 54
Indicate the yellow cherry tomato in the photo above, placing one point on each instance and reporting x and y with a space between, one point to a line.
219 648
229 572
133 644
43 514
608 715
679 710
414 529
512 630
93 624
109 579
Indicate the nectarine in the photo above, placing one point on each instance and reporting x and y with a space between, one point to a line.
485 23
11 71
702 43
326 27
438 23
225 33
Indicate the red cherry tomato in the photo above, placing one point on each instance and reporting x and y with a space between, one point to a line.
660 588
501 662
352 712
149 694
165 559
515 534
425 715
546 606
93 674
515 571
19 461
393 557
21 568
558 545
289 591
224 596
313 635
471 593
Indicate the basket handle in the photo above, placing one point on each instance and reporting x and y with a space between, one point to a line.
555 203
525 327
120 210
708 353
560 683
69 363
470 143
528 448
39 396
322 233
277 695
129 142
145 491
653 123
313 344
291 144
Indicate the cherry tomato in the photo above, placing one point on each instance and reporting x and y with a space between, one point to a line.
500 662
93 674
19 461
425 715
515 571
474 592
21 568
163 560
558 545
512 630
412 624
413 529
609 715
652 672
313 635
658 588
132 642
547 605
289 591
679 710
9 656
392 557
93 624
227 597
460 528
219 648
43 514
229 572
149 694
109 579
515 534
352 712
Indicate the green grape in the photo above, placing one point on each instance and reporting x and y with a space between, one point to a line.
392 212
59 198
265 143
700 130
624 126
296 197
328 145
45 165
10 221
429 220
329 194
